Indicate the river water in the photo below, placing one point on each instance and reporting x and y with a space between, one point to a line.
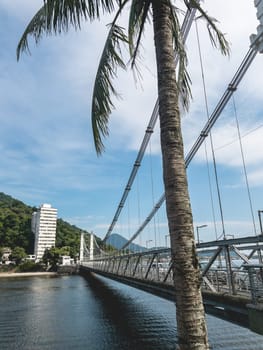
71 312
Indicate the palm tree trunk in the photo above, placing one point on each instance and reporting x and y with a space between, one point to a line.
191 326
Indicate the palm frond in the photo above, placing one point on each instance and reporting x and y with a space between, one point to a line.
102 104
36 28
217 38
183 79
139 13
57 16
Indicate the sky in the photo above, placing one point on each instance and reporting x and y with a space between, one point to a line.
47 153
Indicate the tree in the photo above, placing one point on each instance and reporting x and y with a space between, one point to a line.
51 257
18 255
15 224
54 17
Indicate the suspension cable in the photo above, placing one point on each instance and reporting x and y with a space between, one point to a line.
86 249
218 191
242 136
207 114
232 86
152 188
138 205
129 223
210 190
244 165
210 134
98 247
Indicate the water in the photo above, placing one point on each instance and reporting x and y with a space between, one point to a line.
71 312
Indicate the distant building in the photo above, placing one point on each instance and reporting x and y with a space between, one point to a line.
66 260
6 252
31 257
43 225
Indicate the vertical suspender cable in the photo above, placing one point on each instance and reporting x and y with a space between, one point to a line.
205 145
138 206
158 229
227 253
153 199
244 165
129 231
210 190
211 140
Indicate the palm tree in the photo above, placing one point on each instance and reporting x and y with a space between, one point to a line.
55 17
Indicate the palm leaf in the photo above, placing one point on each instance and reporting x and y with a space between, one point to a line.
36 28
216 36
183 79
138 15
57 16
102 104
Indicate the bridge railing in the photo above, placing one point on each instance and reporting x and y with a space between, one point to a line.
152 265
255 275
245 282
221 271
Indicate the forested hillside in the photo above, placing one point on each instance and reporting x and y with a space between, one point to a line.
15 227
15 224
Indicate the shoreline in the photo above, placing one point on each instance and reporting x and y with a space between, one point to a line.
26 274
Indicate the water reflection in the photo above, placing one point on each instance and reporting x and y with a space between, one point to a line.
132 316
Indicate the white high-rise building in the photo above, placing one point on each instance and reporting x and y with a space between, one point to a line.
44 224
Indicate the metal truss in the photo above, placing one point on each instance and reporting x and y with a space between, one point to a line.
230 266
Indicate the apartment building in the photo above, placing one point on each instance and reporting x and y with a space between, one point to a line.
43 225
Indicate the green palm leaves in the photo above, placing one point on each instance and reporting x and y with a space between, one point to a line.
217 38
103 88
139 13
56 16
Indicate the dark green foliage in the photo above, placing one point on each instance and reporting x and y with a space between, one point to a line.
7 268
18 255
15 224
51 258
30 266
68 236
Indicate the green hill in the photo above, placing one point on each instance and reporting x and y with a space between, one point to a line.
15 227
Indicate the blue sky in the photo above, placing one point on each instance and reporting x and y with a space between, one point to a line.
46 148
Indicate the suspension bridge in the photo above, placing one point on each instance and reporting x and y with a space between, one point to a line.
231 266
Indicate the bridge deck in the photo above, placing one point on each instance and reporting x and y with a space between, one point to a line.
232 283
